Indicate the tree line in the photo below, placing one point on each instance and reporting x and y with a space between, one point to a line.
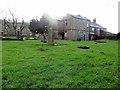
13 23
36 26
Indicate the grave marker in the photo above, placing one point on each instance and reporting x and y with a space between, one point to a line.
50 37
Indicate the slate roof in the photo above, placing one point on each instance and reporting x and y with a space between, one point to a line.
92 24
95 25
74 16
79 17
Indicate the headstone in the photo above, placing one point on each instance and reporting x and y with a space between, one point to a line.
50 37
83 47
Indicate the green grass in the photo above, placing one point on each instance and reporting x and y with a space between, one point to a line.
33 64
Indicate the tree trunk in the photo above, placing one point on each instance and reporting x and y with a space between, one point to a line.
44 36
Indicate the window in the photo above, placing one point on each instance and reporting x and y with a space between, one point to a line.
93 29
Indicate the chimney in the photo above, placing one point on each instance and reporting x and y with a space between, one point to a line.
94 20
78 15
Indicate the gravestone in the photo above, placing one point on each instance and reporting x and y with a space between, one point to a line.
50 37
83 47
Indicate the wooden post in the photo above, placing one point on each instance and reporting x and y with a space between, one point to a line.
50 37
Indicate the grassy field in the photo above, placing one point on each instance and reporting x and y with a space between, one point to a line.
33 64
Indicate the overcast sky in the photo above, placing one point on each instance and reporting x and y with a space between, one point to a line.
105 11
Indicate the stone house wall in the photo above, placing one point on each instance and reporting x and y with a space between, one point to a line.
77 28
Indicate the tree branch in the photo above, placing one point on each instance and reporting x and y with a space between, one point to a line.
14 21
6 25
22 26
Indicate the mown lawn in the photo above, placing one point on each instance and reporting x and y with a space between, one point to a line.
33 64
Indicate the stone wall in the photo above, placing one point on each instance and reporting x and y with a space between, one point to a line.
58 26
77 28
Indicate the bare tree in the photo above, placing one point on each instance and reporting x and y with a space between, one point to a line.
6 25
14 24
22 27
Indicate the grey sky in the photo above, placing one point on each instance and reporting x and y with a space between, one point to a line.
105 11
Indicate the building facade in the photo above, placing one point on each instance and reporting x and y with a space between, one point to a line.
77 27
98 30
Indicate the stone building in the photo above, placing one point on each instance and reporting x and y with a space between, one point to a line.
60 30
74 27
98 30
77 27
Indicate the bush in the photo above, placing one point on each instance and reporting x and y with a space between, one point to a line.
13 39
112 37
